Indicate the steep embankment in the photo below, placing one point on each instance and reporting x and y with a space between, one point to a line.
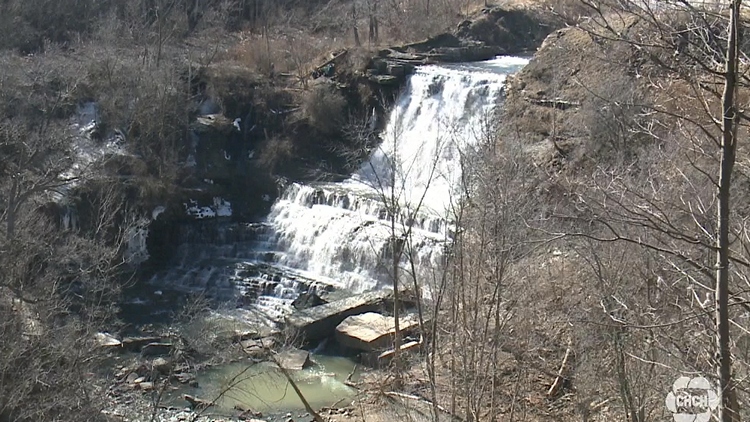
560 104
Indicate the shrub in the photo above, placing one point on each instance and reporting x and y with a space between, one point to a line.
324 107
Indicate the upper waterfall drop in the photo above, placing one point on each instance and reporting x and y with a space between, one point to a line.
339 230
443 110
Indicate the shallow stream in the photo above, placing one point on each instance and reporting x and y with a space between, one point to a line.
263 388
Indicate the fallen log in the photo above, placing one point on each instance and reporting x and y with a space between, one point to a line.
558 382
556 103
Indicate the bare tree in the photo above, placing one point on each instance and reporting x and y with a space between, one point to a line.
684 43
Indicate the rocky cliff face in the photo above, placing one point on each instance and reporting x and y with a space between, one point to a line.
252 134
492 32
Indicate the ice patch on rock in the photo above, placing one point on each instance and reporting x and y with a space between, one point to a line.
157 212
220 208
137 251
89 151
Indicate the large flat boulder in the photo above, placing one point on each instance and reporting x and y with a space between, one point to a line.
372 331
320 322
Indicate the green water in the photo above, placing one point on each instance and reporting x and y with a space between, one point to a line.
262 387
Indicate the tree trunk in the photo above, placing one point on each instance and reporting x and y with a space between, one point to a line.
354 24
10 228
396 251
315 415
729 407
373 12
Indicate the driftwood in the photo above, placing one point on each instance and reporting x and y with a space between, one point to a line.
332 60
557 384
349 381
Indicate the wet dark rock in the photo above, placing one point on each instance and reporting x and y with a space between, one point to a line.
162 365
308 300
156 349
135 344
467 54
320 322
259 347
385 80
397 70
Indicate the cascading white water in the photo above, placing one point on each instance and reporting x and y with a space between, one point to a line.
341 231
338 234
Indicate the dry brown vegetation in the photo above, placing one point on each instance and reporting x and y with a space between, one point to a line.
583 279
587 258
579 287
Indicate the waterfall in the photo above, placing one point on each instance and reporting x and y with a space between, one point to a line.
338 235
341 230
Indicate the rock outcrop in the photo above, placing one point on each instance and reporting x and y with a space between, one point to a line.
320 322
493 32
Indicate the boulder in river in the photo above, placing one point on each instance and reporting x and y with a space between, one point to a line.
293 359
320 322
259 347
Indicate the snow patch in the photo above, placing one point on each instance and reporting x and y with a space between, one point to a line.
88 151
157 212
220 208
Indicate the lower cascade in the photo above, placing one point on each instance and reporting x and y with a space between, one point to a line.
340 236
